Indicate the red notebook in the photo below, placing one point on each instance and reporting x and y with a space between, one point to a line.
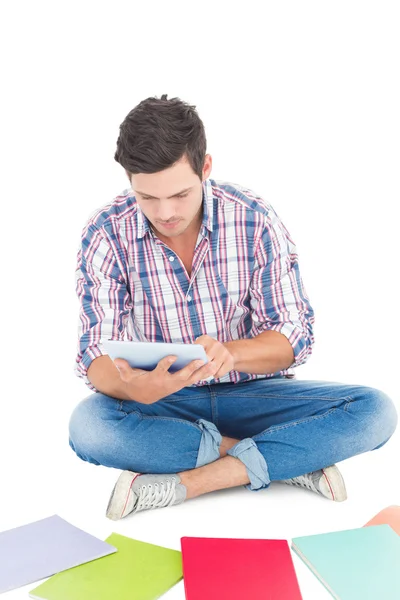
236 569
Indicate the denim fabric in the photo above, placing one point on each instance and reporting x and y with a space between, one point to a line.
257 470
286 427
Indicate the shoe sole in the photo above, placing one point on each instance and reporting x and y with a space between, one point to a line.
119 495
335 483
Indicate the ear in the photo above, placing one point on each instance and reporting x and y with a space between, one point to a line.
207 166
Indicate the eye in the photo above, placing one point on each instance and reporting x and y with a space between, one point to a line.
183 196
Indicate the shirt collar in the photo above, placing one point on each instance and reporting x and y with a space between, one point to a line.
143 224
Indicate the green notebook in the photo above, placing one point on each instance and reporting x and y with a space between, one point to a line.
356 564
138 571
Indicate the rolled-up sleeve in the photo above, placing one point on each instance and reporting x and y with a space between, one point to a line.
104 297
279 299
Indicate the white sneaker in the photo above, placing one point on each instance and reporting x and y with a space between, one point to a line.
134 492
328 482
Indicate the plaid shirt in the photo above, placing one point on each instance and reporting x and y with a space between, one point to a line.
245 279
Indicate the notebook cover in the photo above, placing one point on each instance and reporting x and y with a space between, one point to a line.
356 564
37 550
387 516
234 569
138 571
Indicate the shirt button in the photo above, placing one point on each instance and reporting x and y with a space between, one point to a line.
172 258
189 298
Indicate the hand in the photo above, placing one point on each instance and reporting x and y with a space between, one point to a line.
149 386
218 354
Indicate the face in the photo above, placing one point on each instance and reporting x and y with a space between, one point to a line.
172 199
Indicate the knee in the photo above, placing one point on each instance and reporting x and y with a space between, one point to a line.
87 426
82 419
380 414
389 416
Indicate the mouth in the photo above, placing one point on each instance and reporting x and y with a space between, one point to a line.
170 225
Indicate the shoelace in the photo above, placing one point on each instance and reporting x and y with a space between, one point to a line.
157 495
303 481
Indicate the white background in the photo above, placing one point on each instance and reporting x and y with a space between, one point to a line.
300 101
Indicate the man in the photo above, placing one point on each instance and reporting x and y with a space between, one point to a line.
181 257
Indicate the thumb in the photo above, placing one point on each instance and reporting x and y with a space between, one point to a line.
121 364
122 367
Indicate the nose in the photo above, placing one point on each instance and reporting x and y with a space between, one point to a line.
166 212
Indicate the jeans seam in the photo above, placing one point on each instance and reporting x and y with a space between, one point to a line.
120 407
214 407
269 396
199 397
274 428
159 418
349 401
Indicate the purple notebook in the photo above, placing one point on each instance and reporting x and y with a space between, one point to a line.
41 549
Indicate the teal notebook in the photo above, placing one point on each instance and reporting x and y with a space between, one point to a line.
357 564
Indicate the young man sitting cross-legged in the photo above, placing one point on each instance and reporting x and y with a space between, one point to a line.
180 257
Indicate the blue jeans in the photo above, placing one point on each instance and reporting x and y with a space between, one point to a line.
286 427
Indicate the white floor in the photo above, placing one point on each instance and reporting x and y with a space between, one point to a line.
300 105
42 476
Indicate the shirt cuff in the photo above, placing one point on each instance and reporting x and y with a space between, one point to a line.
85 361
301 347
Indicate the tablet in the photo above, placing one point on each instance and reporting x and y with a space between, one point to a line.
146 355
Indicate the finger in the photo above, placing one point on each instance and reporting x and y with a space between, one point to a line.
217 364
225 367
221 371
187 371
204 372
212 350
206 341
165 363
205 338
124 369
207 369
127 376
122 364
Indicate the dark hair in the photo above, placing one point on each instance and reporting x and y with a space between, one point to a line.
157 133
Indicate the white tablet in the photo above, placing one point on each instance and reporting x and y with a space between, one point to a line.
146 355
